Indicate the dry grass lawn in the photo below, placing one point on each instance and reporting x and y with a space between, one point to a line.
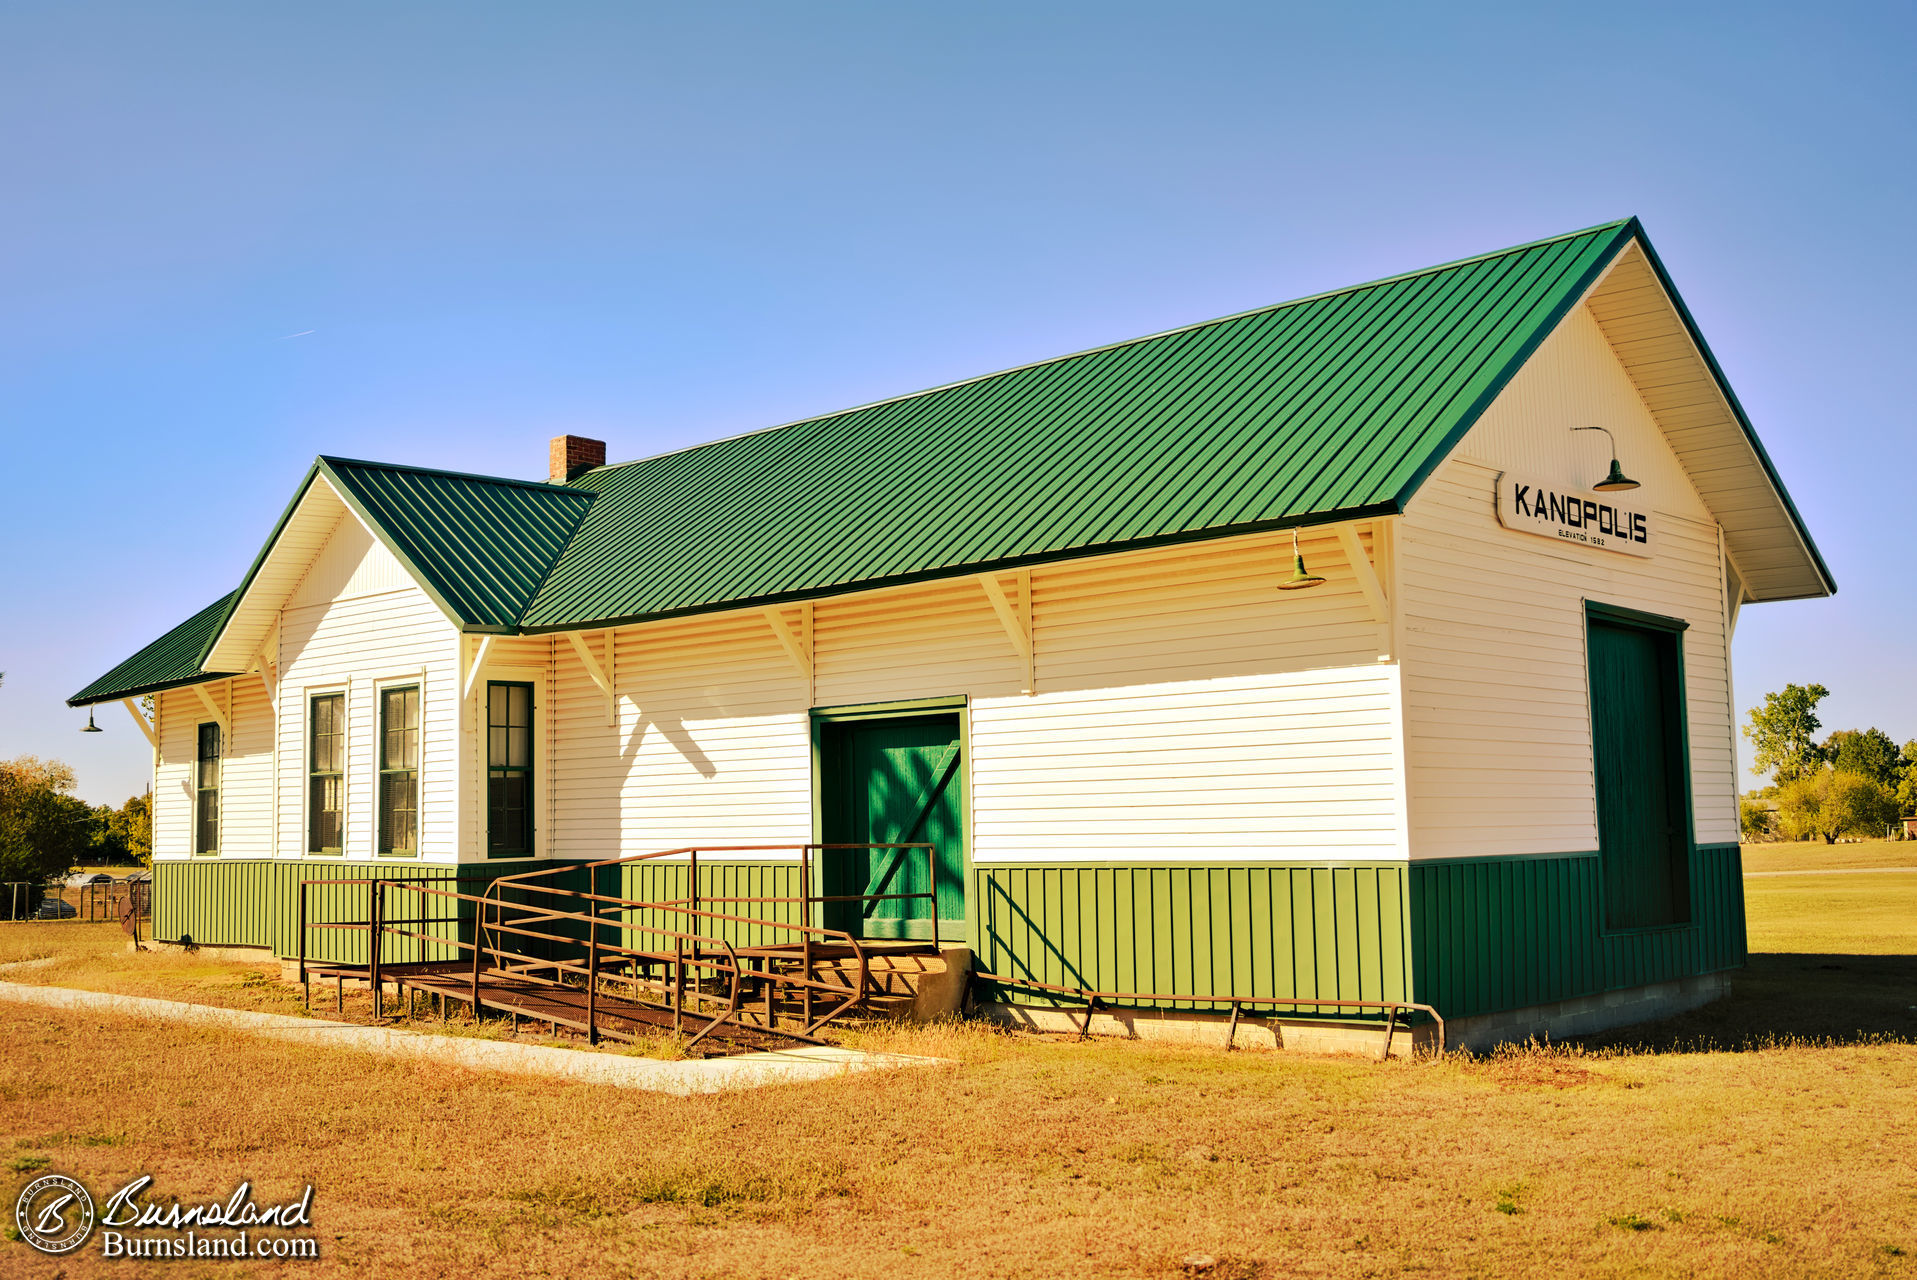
1815 855
1784 1150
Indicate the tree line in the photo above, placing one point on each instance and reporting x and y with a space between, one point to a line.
46 830
1855 782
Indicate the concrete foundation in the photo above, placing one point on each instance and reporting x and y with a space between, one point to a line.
1183 1026
237 955
939 991
1587 1015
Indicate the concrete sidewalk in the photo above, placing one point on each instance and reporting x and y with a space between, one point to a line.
712 1075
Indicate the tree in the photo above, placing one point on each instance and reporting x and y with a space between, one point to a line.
1784 731
44 827
1907 778
1755 819
1869 753
1830 804
131 828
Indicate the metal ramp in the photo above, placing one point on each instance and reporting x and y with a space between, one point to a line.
534 946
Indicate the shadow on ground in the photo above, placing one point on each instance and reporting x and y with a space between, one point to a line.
1784 998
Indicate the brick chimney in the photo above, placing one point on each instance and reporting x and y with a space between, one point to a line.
570 456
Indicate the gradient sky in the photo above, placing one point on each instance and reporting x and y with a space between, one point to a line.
236 236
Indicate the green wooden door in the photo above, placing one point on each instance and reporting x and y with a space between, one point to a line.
894 781
1637 713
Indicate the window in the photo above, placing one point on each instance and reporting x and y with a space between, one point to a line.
399 770
509 773
206 792
326 773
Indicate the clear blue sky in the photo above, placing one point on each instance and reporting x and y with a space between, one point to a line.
492 223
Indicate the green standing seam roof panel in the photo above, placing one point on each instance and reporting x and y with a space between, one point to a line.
1310 411
170 661
481 545
1332 407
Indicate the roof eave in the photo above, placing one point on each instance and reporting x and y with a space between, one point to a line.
1802 530
948 573
141 690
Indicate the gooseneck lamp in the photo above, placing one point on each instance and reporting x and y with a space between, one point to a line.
1299 577
1616 480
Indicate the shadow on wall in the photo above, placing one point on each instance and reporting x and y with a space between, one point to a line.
1786 998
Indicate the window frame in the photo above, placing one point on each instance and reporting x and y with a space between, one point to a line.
530 770
343 774
201 790
382 770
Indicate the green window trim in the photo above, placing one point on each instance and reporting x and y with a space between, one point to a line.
510 790
206 791
326 773
398 813
1632 617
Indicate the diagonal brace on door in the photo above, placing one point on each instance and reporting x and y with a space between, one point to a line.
941 777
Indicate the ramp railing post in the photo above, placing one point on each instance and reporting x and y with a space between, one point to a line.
305 983
374 928
592 977
479 909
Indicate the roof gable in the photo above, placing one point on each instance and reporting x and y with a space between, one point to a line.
479 546
1660 347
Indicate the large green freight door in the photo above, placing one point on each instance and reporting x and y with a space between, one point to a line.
1637 731
893 782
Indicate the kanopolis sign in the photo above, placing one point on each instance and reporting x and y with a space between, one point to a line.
1573 515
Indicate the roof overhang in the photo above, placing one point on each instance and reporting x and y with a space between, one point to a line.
308 523
1650 329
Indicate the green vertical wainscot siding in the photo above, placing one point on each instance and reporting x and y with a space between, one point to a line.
1317 932
669 881
256 903
1505 933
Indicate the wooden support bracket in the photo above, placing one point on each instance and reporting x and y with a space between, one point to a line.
594 669
219 716
797 644
473 667
133 709
1367 576
1015 617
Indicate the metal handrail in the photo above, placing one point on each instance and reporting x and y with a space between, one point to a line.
806 983
1093 999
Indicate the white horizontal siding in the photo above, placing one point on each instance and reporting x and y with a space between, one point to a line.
1186 710
352 563
1498 732
358 645
179 712
246 771
712 743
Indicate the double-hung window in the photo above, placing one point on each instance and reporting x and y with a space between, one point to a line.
399 770
326 774
206 791
509 770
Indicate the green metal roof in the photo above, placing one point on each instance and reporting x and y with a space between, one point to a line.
167 663
1328 408
479 544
